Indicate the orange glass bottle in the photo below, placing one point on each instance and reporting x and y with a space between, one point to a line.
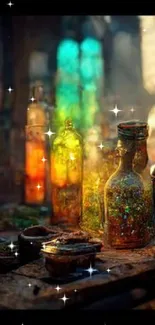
35 151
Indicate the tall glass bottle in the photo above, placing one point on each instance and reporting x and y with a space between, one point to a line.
91 216
66 176
35 151
127 218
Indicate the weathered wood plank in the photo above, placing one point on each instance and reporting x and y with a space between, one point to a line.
126 300
90 289
99 286
128 270
34 270
15 292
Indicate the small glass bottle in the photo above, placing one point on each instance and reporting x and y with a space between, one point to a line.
126 218
35 151
66 176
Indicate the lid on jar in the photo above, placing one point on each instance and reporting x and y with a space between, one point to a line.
133 130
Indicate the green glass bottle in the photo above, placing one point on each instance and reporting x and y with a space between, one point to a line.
66 176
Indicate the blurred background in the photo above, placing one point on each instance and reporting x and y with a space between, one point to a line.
98 70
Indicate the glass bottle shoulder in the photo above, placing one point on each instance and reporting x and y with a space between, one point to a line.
68 138
124 179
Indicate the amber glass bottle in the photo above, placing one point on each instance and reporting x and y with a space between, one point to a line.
126 215
66 176
35 151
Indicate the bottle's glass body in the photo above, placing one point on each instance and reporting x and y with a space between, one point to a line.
66 176
141 156
126 201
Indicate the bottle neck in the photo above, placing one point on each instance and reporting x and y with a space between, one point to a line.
127 152
68 125
38 94
126 162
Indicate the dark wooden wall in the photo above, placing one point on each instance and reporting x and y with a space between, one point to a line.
21 35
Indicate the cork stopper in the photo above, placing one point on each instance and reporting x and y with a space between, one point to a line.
133 130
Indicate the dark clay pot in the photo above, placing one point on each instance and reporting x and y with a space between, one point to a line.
31 241
67 258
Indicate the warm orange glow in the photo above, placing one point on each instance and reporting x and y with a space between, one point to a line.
32 194
35 172
35 167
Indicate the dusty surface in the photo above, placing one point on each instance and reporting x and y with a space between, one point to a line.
16 293
123 279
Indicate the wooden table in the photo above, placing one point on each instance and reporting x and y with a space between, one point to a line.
125 279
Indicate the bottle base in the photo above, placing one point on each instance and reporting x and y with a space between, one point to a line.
129 245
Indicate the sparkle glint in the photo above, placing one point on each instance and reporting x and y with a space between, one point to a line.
58 289
49 133
38 187
91 270
10 90
132 110
115 111
64 299
10 4
32 99
43 159
101 146
72 156
11 246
